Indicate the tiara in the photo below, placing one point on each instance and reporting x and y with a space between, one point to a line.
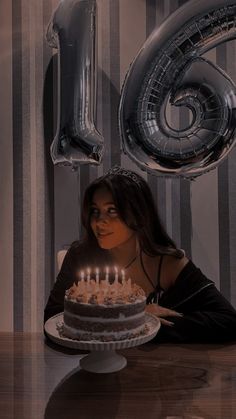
117 170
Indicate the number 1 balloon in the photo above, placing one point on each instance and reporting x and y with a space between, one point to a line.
169 68
73 31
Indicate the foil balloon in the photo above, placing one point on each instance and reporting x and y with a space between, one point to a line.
72 30
169 69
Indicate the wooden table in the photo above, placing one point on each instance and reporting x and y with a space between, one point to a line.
160 381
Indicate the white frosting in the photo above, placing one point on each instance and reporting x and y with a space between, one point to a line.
104 293
76 333
100 320
137 300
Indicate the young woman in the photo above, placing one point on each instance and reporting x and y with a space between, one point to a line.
123 228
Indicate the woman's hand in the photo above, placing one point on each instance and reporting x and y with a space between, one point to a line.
160 312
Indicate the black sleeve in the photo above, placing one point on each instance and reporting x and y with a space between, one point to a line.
64 281
212 320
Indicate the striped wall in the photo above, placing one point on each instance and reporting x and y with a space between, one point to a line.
40 204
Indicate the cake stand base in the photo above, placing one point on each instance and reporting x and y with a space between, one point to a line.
103 362
102 357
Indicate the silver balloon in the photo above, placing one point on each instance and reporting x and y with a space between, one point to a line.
73 31
169 69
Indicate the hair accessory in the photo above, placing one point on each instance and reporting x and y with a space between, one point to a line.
117 170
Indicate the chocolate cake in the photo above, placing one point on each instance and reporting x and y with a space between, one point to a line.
100 311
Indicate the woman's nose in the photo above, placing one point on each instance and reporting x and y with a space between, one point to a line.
102 217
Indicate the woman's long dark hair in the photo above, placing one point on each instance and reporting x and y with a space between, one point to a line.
136 207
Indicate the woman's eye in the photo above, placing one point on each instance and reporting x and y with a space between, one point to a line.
94 211
112 210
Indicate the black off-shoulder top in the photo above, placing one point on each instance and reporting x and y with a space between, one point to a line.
154 296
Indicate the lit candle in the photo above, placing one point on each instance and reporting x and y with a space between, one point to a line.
124 282
123 276
107 274
82 282
88 274
97 275
116 274
82 276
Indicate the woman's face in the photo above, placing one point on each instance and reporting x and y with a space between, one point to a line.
106 224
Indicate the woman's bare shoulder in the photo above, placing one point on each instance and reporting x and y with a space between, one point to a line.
171 269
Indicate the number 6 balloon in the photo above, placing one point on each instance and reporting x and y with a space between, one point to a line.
169 68
73 31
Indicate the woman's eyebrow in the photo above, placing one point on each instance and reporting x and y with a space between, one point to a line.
105 203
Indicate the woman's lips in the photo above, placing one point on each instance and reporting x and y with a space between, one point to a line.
100 235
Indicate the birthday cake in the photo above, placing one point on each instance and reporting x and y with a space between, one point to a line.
100 311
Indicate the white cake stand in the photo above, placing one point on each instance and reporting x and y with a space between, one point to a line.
103 357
